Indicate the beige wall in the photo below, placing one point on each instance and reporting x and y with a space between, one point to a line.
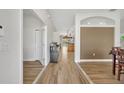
96 42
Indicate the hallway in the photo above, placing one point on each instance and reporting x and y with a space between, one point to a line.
63 72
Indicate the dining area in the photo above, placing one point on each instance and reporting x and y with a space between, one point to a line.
117 62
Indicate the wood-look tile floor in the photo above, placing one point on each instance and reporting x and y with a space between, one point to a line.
63 72
31 70
100 72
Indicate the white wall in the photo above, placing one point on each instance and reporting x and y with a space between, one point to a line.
31 23
44 15
11 65
56 37
79 17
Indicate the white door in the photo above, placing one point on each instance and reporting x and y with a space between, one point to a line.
40 45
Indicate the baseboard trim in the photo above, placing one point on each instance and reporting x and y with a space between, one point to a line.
95 60
39 75
33 59
85 74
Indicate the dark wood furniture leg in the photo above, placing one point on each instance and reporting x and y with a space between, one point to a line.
119 72
114 64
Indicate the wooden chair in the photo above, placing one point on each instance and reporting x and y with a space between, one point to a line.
114 53
120 62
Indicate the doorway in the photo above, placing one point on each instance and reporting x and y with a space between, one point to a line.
40 45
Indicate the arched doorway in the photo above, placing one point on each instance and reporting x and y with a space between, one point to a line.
88 20
96 38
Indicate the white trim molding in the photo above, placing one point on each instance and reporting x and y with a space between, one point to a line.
95 60
31 59
21 47
97 26
39 75
85 74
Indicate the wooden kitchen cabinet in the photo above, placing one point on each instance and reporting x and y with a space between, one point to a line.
71 48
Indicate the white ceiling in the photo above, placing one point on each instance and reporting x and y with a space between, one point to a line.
63 19
30 12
